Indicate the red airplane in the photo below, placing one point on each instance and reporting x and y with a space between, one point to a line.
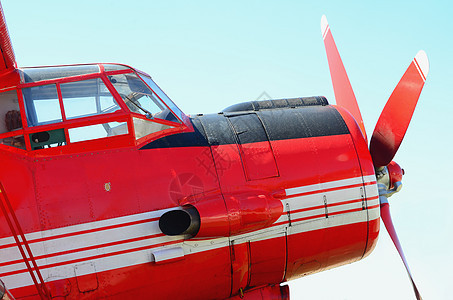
108 190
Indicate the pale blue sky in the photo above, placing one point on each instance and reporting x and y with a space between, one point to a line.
208 55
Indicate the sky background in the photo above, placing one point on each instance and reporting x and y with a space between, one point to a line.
207 55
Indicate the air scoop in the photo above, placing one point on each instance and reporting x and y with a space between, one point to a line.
222 216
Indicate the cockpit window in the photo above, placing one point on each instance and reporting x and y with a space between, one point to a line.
162 95
42 105
67 99
115 67
139 98
87 98
47 73
10 120
80 99
9 114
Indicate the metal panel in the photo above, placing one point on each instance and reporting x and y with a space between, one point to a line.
87 279
256 153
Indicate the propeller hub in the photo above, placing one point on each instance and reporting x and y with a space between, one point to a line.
389 180
395 172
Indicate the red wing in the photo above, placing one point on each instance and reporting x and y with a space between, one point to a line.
8 60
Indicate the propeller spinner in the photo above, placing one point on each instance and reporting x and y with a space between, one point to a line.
390 128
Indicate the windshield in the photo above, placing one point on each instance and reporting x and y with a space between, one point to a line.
162 96
139 98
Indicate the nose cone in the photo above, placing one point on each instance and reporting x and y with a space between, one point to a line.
395 172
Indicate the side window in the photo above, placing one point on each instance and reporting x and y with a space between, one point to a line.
9 112
87 98
97 131
42 105
143 127
79 99
10 119
139 98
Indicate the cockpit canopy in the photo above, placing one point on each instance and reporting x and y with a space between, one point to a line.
56 106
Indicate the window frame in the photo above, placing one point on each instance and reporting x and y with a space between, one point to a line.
181 118
121 115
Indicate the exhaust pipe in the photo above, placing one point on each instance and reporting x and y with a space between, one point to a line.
180 221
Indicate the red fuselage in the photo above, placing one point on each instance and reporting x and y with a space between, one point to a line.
282 189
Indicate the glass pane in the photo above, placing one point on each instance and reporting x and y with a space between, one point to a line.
87 98
42 105
97 131
15 141
9 112
47 139
46 73
146 102
139 98
144 127
163 96
113 67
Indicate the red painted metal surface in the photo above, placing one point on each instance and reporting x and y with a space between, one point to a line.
274 292
224 215
258 160
69 190
395 172
22 243
8 61
240 270
269 211
267 261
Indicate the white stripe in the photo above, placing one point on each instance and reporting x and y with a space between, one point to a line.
189 247
422 61
332 197
334 221
330 185
91 239
340 208
309 213
369 178
324 26
103 236
336 184
374 213
86 226
418 69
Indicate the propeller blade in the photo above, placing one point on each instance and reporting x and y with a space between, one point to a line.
344 95
387 219
397 113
